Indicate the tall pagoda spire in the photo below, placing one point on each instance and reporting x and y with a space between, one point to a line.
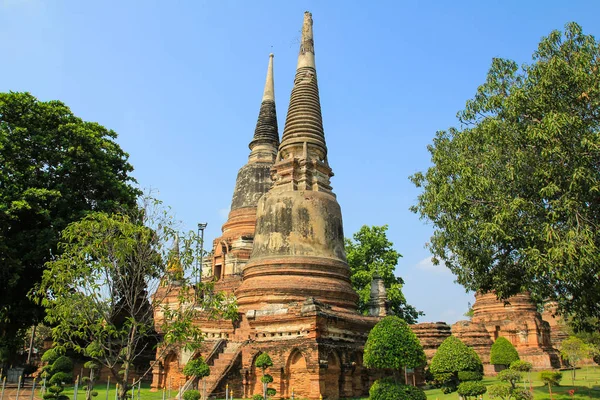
304 123
232 250
298 247
266 136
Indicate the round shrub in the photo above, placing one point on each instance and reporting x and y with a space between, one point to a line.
191 395
266 378
386 389
451 358
258 397
392 344
50 356
61 377
471 389
522 394
94 393
62 364
551 378
465 376
511 376
263 361
197 368
503 352
499 391
55 389
271 392
521 366
389 389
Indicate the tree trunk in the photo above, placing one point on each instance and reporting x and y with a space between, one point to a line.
550 390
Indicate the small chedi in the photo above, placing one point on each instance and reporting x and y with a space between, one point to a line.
281 253
517 319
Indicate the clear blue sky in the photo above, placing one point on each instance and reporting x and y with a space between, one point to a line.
181 83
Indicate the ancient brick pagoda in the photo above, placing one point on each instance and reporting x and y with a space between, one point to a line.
282 254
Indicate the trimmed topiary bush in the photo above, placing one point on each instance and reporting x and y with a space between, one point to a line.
503 352
258 397
551 378
465 376
521 366
191 395
263 361
271 392
471 389
451 358
389 389
197 367
392 344
266 378
511 376
62 364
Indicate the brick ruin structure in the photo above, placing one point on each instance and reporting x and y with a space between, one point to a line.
281 253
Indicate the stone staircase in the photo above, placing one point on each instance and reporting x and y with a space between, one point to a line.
221 365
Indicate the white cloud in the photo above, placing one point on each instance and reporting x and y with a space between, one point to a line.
427 265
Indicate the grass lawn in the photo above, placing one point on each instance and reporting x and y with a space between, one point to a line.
587 386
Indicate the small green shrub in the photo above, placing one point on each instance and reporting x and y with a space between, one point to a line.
389 389
266 378
521 366
522 394
191 395
551 378
271 392
197 368
451 358
465 376
499 391
94 393
263 361
62 364
471 389
386 389
258 397
503 352
50 356
511 376
61 377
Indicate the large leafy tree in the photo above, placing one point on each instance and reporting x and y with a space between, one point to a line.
513 194
54 168
370 253
119 287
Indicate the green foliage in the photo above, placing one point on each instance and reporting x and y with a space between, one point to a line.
513 193
197 368
50 356
191 395
573 350
96 293
500 391
451 358
61 377
511 376
266 378
91 365
263 361
551 378
464 376
62 364
258 397
392 344
503 352
389 389
54 168
94 393
271 392
471 389
370 253
521 366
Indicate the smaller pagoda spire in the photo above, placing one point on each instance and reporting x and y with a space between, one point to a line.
266 135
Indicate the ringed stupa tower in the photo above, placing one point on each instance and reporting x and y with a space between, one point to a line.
232 250
299 242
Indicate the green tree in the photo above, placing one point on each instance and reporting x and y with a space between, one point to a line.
503 352
370 253
96 293
455 362
198 368
263 361
573 350
391 344
551 378
389 389
471 389
54 168
513 193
